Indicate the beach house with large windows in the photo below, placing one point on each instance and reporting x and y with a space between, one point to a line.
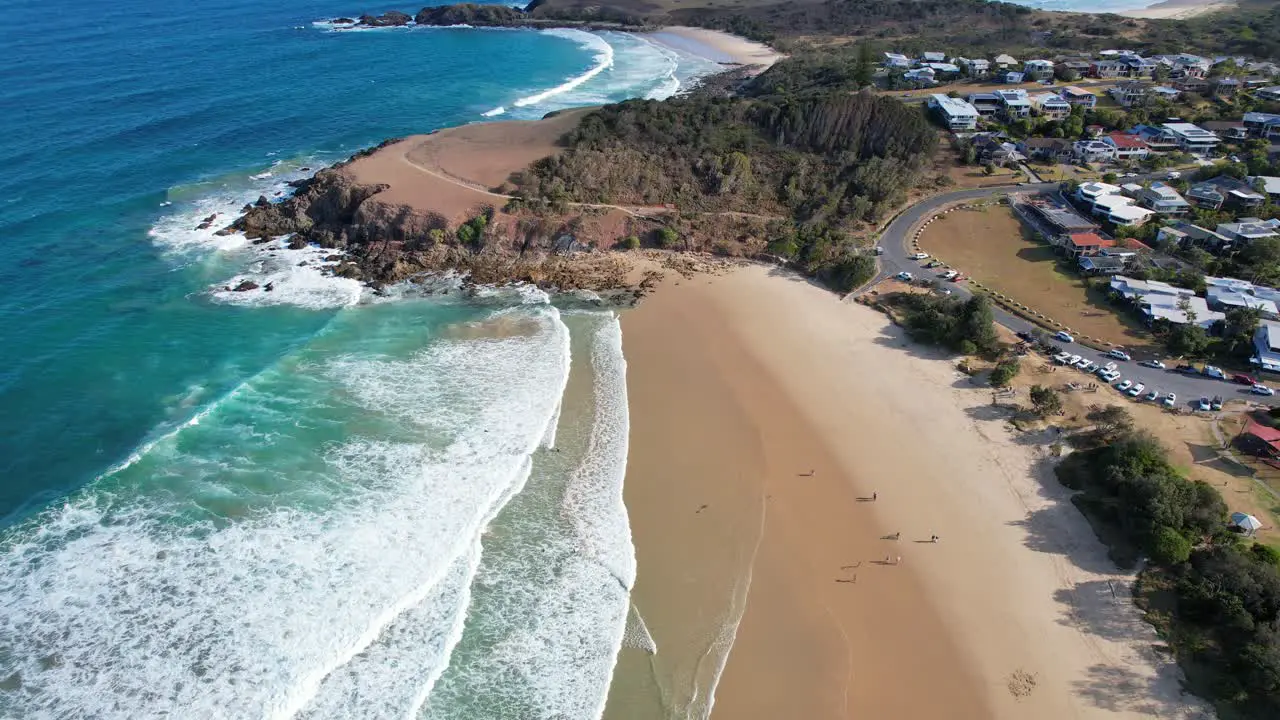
1078 96
955 113
1051 106
1192 138
1014 104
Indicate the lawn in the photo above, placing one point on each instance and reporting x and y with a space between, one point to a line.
990 244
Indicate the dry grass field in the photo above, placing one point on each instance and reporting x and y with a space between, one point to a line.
989 244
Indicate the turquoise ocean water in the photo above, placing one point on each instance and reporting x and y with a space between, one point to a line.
312 502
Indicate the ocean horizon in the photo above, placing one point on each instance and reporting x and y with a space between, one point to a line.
316 501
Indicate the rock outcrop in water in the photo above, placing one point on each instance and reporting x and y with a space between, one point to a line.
471 14
393 18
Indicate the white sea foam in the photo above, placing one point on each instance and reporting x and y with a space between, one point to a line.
290 277
494 112
603 61
120 605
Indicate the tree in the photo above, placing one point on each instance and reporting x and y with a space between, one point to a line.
1169 547
969 155
1112 420
1187 340
989 168
668 237
1238 329
864 67
1109 177
1045 401
1003 373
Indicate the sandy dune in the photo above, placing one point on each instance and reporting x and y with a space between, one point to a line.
740 386
1179 9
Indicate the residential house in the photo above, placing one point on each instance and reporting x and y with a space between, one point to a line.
1014 104
987 104
1164 200
1050 149
977 67
933 57
1062 218
1164 92
1266 346
1079 67
1038 69
1011 77
1157 139
1051 106
1226 129
1103 265
1091 151
1089 193
1004 62
1127 147
1270 94
995 150
895 60
1136 66
1131 94
1187 235
1120 210
1106 69
1262 67
921 77
1078 96
943 70
1253 82
1223 191
1162 301
1225 294
1077 245
1268 185
1226 87
1248 229
955 113
1192 138
1189 66
1192 84
1262 125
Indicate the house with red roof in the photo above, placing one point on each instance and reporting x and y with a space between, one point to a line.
1085 244
1128 147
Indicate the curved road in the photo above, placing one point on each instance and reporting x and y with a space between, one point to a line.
896 240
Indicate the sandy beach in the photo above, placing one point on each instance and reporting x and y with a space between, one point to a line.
765 414
1179 9
718 46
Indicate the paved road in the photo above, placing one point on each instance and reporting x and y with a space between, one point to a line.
896 243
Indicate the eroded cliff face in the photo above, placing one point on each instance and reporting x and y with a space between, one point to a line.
386 243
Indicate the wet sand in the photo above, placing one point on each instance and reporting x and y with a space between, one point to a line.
739 386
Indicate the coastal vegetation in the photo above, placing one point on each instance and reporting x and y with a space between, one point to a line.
1214 595
963 326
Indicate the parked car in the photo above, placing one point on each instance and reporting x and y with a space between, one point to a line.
879 250
1023 335
1189 369
1062 358
949 275
1173 175
1203 405
1243 379
1073 359
1118 354
959 278
1216 403
1153 396
1260 389
1089 367
1064 336
920 256
1124 386
1214 372
1170 399
1152 364
905 276
1137 389
1112 376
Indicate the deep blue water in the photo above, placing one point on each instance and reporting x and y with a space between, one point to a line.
220 505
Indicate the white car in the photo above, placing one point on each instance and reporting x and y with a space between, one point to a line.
1173 175
1203 405
1064 336
1137 389
1112 376
1062 358
1119 355
1260 389
905 276
1089 367
1152 364
920 256
949 275
1153 396
1124 386
1214 372
879 250
1073 359
1170 399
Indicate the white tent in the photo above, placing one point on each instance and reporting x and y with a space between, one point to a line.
1245 522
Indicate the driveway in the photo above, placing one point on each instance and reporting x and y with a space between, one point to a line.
896 243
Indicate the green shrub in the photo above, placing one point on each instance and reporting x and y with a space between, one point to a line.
631 243
668 238
1004 372
1169 547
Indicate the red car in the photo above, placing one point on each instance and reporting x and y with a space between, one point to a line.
1243 379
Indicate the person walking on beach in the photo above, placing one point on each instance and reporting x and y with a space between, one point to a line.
933 538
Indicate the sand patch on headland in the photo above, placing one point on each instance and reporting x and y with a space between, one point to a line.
742 384
1179 9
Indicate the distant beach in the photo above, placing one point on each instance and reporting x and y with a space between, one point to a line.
1179 9
1169 9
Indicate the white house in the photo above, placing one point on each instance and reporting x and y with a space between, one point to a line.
977 67
1078 96
894 60
1014 104
1090 192
1192 138
955 113
1094 151
933 57
1004 62
1051 106
1120 210
1249 229
1160 300
920 76
1266 346
1038 69
1129 94
1163 199
1127 147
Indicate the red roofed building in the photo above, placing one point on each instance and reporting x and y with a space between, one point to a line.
1259 439
1128 147
1078 245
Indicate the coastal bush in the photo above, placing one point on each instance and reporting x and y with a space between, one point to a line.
1045 401
1169 547
668 238
632 242
962 326
1004 372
